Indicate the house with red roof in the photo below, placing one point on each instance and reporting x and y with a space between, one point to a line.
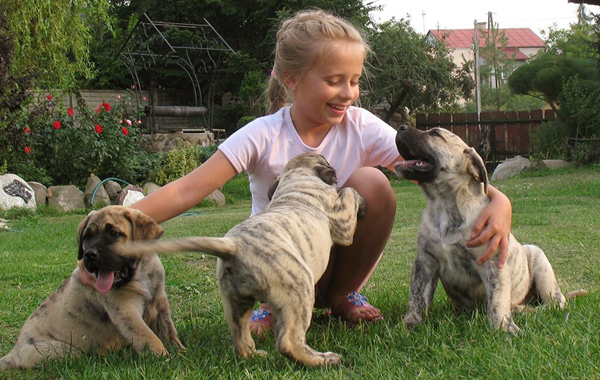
522 43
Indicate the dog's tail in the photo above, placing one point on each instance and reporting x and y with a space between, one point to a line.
221 247
576 293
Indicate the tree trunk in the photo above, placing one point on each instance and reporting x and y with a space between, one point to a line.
394 106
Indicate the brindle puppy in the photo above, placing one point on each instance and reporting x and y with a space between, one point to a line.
454 180
277 256
121 300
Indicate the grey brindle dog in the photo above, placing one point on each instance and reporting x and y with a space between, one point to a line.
278 255
454 179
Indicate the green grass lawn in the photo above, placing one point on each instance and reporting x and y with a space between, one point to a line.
559 211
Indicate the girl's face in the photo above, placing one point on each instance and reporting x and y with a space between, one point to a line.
323 94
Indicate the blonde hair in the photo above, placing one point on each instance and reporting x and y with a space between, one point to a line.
302 41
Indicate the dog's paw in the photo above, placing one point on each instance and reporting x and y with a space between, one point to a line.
511 327
362 208
331 358
158 351
260 353
411 320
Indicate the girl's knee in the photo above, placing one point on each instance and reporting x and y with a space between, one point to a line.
373 185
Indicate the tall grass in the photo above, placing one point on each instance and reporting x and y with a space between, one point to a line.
559 211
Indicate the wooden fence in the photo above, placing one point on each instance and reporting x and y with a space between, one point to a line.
510 131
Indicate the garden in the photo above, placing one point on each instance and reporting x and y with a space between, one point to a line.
46 140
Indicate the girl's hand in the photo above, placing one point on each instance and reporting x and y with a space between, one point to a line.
493 226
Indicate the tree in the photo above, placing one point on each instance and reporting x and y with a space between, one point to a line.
249 27
408 72
13 93
498 65
544 76
578 41
52 37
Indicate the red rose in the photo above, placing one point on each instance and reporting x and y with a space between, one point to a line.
103 107
125 131
26 130
27 149
98 128
71 112
56 125
49 97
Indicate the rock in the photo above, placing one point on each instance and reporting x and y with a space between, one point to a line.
216 197
15 192
512 167
41 193
112 189
65 198
150 187
555 164
97 191
129 195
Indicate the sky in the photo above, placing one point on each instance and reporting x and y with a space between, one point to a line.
461 14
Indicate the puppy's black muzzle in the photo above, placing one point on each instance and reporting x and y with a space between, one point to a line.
420 163
97 257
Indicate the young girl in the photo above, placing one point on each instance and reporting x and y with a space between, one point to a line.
318 63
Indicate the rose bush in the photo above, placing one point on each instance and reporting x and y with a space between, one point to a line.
63 145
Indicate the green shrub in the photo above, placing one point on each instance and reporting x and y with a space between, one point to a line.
245 120
580 105
203 153
551 140
177 163
577 136
585 152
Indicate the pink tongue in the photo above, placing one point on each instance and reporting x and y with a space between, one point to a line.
105 281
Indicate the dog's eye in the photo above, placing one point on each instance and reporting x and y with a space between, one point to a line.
114 233
435 133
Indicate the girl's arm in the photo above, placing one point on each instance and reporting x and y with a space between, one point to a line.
187 191
493 226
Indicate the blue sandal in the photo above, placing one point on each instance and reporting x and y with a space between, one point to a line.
261 320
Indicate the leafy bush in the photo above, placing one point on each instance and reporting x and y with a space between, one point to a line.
577 136
580 100
585 152
550 140
172 165
64 145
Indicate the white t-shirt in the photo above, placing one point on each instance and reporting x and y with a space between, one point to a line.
265 145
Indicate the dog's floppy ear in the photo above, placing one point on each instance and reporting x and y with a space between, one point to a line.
143 227
326 173
476 167
273 187
80 231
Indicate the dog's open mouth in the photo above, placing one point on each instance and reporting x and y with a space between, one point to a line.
413 161
417 165
109 279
